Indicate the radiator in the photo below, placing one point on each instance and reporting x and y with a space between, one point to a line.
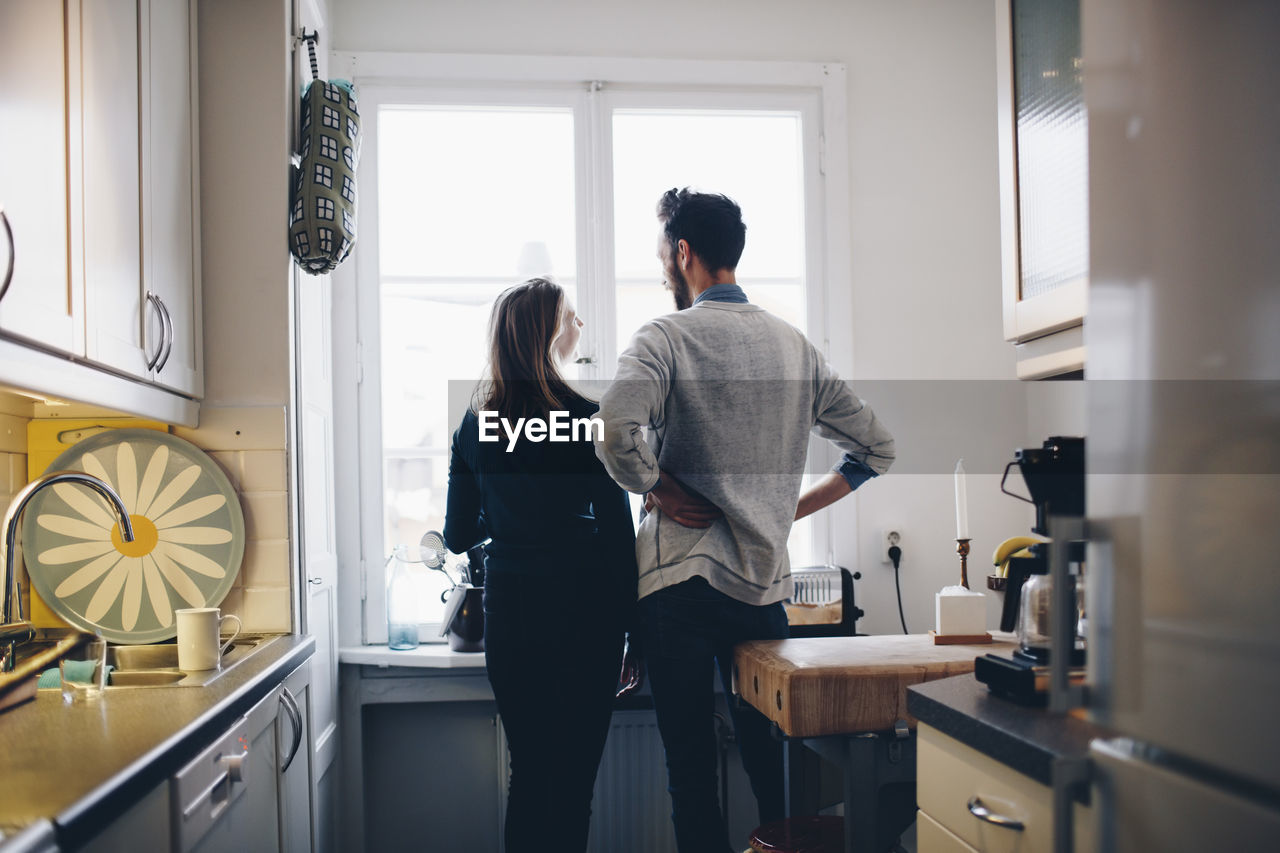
631 809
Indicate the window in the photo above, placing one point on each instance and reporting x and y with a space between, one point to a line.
467 188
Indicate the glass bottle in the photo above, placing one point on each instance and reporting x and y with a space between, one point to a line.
404 600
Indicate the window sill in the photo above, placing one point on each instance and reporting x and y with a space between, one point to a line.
425 656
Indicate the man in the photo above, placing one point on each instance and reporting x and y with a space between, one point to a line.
729 394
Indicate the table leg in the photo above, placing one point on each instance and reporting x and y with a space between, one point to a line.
788 777
868 762
861 787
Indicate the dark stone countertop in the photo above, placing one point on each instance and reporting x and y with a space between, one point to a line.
81 765
1023 738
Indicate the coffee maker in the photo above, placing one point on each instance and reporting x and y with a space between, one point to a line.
1054 477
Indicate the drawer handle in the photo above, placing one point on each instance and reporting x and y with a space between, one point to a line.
981 812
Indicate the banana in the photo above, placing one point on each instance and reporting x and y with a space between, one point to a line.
1003 571
1015 543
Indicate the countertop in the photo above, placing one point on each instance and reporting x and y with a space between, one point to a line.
1026 739
80 765
815 686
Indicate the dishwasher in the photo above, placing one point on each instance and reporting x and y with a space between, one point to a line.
224 799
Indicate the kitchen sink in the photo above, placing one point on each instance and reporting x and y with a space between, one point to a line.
145 677
157 665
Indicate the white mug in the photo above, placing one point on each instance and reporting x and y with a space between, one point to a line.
198 647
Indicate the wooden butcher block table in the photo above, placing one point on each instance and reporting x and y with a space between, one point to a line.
838 685
845 698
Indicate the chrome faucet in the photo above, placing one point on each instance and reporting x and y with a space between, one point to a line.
14 632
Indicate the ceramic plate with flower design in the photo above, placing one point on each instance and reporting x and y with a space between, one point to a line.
188 536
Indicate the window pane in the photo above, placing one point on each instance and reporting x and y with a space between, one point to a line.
470 201
462 190
756 159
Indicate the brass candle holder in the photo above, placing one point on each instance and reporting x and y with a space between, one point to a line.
962 548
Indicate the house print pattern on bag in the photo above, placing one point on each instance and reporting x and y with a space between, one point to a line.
322 218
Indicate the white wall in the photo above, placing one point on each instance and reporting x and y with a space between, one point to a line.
924 239
244 200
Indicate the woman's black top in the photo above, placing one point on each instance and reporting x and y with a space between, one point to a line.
549 508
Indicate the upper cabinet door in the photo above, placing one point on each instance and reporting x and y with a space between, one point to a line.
1043 169
109 158
139 214
170 259
42 301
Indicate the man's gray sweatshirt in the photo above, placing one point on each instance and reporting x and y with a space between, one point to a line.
729 394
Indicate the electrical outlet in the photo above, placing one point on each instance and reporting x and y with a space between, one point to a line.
889 536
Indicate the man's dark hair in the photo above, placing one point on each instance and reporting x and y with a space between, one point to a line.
710 223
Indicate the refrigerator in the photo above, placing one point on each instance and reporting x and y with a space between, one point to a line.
1183 451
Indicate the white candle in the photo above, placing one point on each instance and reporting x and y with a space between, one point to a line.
962 504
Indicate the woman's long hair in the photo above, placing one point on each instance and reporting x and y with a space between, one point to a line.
523 379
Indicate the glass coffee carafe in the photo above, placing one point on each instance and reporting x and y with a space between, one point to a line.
1034 613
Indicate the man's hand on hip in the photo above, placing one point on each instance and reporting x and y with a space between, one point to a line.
682 507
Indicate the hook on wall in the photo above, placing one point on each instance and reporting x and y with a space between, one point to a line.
310 38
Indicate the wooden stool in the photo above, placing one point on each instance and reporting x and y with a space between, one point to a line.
811 834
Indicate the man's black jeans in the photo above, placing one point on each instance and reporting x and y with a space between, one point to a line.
689 629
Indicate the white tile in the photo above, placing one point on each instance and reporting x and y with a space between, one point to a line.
13 434
266 610
233 603
266 515
17 471
229 462
263 471
266 563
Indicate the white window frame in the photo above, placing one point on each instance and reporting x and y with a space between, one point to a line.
815 90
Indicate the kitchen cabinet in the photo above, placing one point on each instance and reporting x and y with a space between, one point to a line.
1042 155
293 706
971 802
42 303
137 162
98 182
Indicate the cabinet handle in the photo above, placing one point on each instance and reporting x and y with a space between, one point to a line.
13 250
290 706
154 302
168 334
981 812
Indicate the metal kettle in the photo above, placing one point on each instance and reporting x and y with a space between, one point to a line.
466 629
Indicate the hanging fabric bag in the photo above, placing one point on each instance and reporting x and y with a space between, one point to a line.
322 218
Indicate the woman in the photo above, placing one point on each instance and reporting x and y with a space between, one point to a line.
560 569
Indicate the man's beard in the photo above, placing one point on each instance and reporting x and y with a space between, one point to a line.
679 287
